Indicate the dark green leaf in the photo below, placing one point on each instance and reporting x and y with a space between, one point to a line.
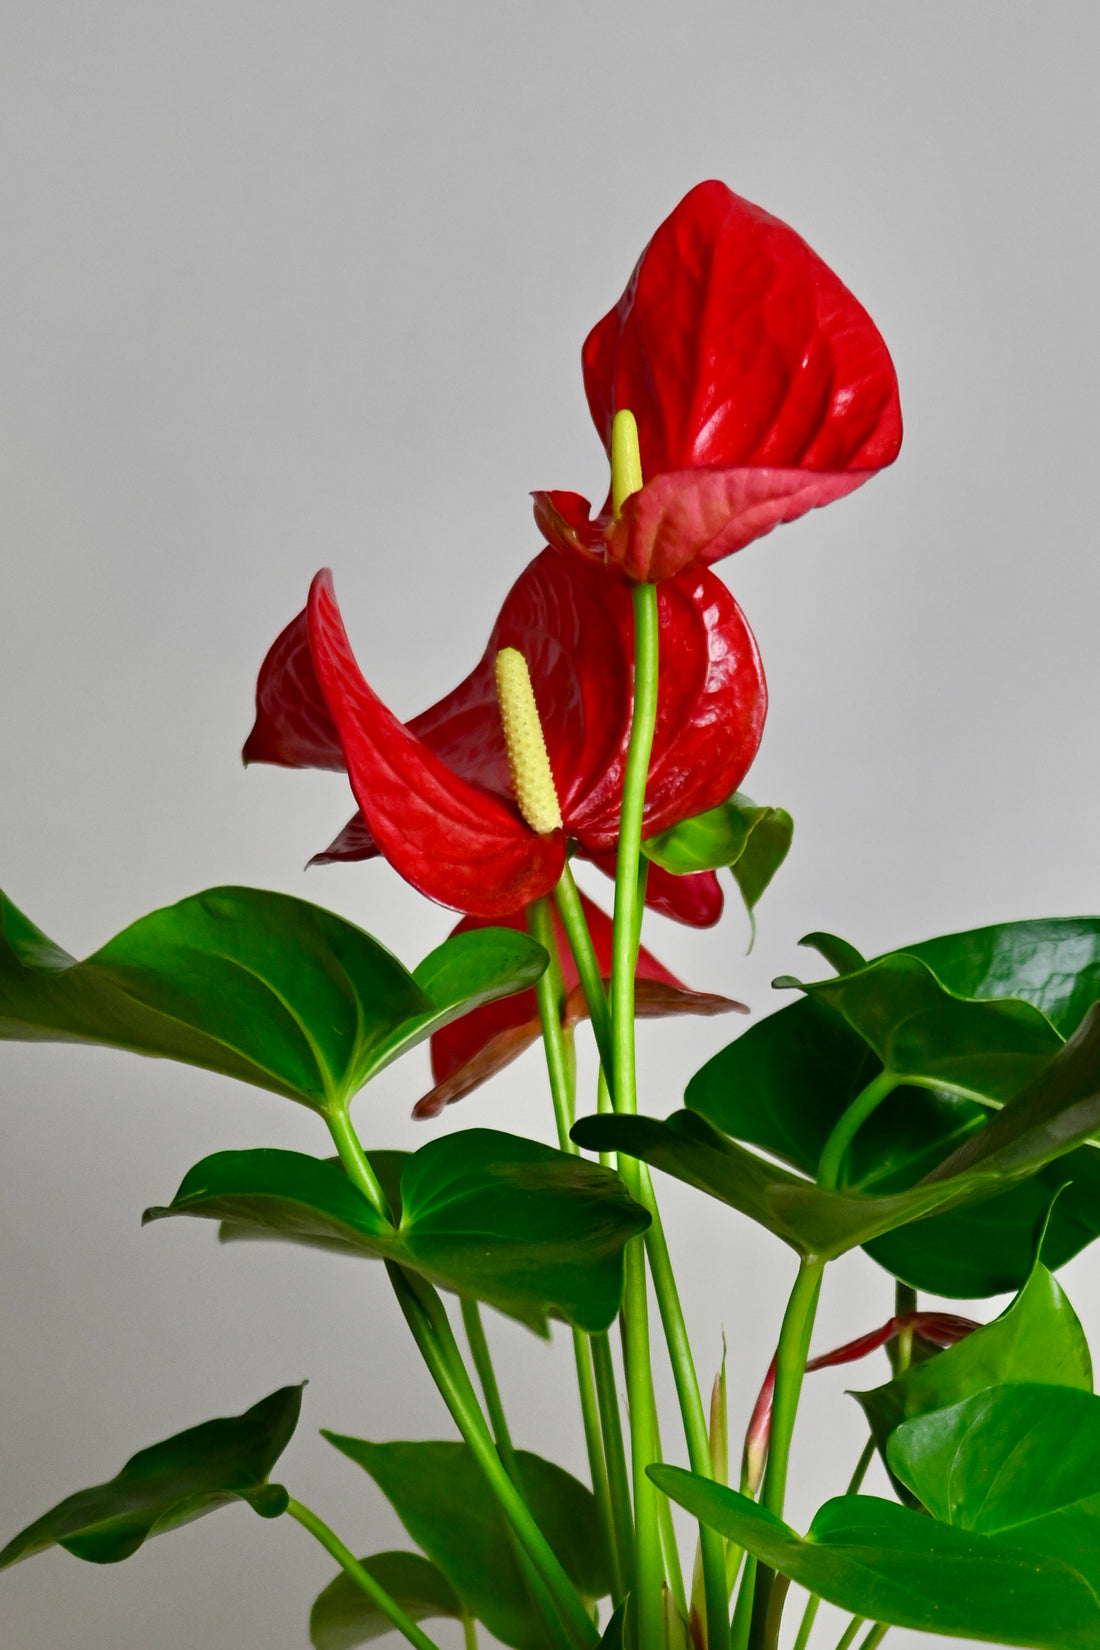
925 1034
841 955
255 985
1038 1338
784 1084
809 1218
1022 1461
441 1496
171 1483
343 1616
531 1230
889 1564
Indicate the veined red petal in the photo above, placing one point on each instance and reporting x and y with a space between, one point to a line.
734 344
454 843
353 843
293 727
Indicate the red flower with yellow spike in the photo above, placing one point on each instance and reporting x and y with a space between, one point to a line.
483 828
761 389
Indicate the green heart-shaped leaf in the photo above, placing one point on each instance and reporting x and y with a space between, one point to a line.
889 1564
1038 1338
786 1081
171 1483
254 985
441 1496
343 1616
533 1231
927 1035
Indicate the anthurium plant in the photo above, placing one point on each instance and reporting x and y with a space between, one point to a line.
938 1106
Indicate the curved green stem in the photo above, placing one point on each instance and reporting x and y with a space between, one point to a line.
483 1364
568 900
849 1124
360 1575
790 1368
615 1455
849 1633
813 1603
427 1319
875 1635
550 993
354 1159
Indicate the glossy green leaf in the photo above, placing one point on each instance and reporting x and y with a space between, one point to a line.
254 985
343 1616
533 1231
1038 1338
1048 1119
170 1484
441 1496
805 1216
924 1033
752 841
890 1564
785 1082
1018 1461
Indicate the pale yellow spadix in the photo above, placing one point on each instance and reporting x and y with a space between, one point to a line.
626 459
532 779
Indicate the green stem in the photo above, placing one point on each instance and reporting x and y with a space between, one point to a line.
905 1304
650 1609
615 1456
875 1635
790 1367
427 1319
469 1632
483 1364
550 994
360 1575
849 1124
562 1074
712 1545
568 900
850 1632
813 1602
354 1159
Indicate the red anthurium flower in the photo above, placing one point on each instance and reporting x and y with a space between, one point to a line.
436 797
761 389
470 1050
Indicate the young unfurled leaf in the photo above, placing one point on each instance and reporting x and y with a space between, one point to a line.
533 1231
443 1499
255 985
170 1484
890 1564
343 1616
1038 1338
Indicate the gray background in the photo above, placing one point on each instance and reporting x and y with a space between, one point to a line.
290 284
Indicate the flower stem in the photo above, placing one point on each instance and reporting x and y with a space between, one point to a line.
790 1367
568 900
849 1124
427 1319
814 1601
615 1456
360 1575
849 1633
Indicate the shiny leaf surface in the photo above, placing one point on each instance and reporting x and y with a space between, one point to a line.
441 1496
343 1616
1038 1338
170 1484
890 1564
254 985
752 841
533 1231
1022 1461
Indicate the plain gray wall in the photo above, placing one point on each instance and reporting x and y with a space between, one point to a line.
291 284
